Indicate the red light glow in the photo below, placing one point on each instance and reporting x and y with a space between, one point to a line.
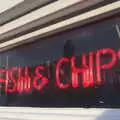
99 66
39 76
58 71
10 80
24 81
88 73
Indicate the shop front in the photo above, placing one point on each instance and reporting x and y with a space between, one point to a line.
78 67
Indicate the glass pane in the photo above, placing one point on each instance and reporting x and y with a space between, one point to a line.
79 67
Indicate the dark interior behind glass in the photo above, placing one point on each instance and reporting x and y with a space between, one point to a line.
46 52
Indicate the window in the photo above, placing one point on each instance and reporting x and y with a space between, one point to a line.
78 67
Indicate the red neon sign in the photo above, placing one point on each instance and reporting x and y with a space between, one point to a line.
99 66
24 81
88 73
58 66
39 76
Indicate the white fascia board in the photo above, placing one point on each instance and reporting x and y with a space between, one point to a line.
7 4
37 14
82 17
21 9
28 113
42 21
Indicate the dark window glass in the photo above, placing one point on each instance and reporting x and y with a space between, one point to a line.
79 67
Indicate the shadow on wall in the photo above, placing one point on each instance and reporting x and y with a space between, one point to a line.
113 114
69 49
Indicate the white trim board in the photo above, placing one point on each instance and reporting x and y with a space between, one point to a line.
33 113
37 14
64 24
44 20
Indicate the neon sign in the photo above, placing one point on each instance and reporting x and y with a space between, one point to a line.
88 72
